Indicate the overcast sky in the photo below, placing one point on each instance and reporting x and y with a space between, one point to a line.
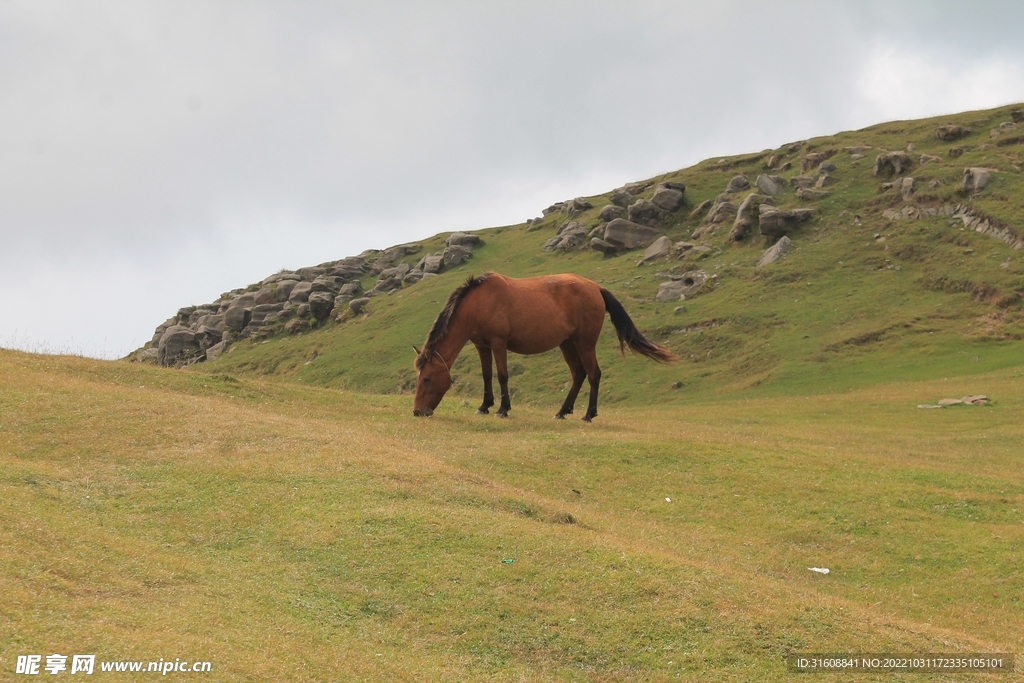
154 155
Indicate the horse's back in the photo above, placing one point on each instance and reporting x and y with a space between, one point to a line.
537 314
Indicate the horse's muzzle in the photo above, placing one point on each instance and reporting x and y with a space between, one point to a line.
426 412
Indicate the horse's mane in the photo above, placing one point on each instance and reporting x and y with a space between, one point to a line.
440 327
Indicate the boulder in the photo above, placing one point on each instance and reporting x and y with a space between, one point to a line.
300 292
598 244
928 158
611 212
951 133
667 198
905 186
700 209
574 207
456 255
627 235
357 305
644 212
722 210
310 273
810 195
745 215
321 304
621 198
770 185
813 160
213 320
266 295
464 239
738 184
399 271
237 317
353 288
177 343
659 248
431 263
775 253
775 223
571 235
283 289
799 181
825 180
216 350
681 286
891 163
975 179
296 326
413 277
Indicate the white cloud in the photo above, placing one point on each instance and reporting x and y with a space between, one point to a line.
904 83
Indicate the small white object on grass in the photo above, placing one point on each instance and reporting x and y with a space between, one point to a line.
668 500
820 570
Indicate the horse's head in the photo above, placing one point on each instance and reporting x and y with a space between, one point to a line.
433 379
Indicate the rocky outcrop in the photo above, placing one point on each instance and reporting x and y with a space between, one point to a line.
681 286
951 133
746 215
738 184
571 235
775 223
975 179
625 235
770 185
292 301
775 253
892 163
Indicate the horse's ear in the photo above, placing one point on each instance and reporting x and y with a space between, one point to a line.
418 352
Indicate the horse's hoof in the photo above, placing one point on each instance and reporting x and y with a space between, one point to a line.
501 414
588 418
482 411
559 416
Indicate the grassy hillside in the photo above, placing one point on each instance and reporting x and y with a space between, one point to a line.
860 300
284 532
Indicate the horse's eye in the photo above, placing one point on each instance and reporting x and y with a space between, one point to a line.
426 380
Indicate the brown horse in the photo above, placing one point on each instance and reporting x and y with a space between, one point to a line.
532 315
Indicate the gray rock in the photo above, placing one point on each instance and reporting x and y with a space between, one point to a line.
700 209
644 212
283 289
975 179
825 180
237 317
810 195
464 239
351 289
826 167
310 273
212 320
216 350
621 198
302 310
599 244
738 184
775 223
775 253
413 277
431 263
667 198
357 305
799 181
571 235
770 185
745 215
300 292
627 235
681 286
905 186
456 255
150 355
659 248
951 133
266 295
321 304
385 285
611 212
892 163
722 210
176 344
399 271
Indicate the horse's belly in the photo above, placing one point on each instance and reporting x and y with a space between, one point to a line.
537 343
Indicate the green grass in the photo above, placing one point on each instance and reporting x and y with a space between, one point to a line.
860 300
282 531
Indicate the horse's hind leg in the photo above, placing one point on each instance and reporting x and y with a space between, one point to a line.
485 368
589 358
579 373
501 361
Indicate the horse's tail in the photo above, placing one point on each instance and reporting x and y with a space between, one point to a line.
630 336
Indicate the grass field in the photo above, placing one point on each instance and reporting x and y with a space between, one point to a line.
288 532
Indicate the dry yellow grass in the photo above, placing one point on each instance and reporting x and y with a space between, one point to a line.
289 533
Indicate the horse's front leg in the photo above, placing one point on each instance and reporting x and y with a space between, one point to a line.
485 368
501 361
